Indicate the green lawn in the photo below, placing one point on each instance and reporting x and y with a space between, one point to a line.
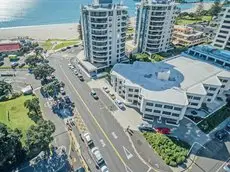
17 114
211 122
172 151
188 20
65 44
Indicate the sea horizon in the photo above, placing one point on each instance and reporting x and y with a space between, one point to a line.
28 13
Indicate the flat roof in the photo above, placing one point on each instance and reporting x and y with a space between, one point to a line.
186 75
5 47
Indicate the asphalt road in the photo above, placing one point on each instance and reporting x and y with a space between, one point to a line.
106 132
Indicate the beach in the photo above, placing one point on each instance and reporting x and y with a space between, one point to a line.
58 31
207 5
42 32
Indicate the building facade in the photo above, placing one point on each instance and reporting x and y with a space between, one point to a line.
104 27
183 35
154 25
222 38
166 90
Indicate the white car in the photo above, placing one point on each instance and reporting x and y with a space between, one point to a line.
97 155
104 168
106 89
87 138
119 104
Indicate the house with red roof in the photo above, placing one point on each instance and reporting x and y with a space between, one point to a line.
9 47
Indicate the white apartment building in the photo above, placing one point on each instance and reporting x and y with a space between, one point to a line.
164 90
222 38
154 25
104 27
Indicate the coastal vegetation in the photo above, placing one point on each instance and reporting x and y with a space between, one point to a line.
171 150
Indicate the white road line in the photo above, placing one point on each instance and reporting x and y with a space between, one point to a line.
114 135
128 169
127 153
102 143
223 164
149 169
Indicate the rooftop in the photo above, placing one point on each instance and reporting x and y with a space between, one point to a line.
210 50
5 47
181 79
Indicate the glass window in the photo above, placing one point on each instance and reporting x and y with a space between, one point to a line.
175 114
149 104
209 94
212 89
166 113
196 98
157 111
168 107
158 105
130 95
148 110
177 108
131 90
194 104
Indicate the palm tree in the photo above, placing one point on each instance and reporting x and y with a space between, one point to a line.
5 89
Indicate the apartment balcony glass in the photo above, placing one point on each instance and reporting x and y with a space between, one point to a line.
154 37
98 20
98 32
99 49
98 14
96 54
159 14
152 46
155 33
123 34
99 26
103 38
99 44
155 19
153 42
157 23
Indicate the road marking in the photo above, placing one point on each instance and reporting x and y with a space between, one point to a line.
127 153
102 143
95 120
128 169
114 135
149 169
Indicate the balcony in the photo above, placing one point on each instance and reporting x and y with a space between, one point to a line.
152 46
99 14
93 20
153 42
101 39
98 27
99 44
99 33
100 55
100 49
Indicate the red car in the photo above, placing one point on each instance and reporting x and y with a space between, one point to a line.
163 130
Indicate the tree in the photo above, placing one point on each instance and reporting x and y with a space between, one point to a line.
199 9
42 71
38 137
10 147
216 8
5 90
228 101
33 105
79 30
33 60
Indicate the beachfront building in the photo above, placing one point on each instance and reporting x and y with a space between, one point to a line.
222 38
9 47
164 91
104 27
184 35
154 25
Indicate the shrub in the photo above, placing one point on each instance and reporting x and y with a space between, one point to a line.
173 163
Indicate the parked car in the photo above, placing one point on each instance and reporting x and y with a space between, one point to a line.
87 139
145 126
1 63
21 65
112 96
67 99
14 65
94 94
76 45
227 167
106 89
221 135
163 130
62 91
104 168
97 156
75 72
80 77
68 48
81 169
119 104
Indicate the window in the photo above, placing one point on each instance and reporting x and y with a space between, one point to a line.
119 87
175 114
223 31
148 110
130 95
166 113
158 105
221 36
157 111
209 100
129 100
224 80
136 90
194 104
212 89
196 98
222 86
130 90
209 94
177 108
135 96
120 82
220 41
189 97
206 87
149 104
168 107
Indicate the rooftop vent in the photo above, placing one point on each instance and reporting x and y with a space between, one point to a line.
163 75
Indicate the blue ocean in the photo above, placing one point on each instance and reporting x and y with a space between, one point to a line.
41 12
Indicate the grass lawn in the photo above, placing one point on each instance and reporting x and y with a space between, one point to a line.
172 151
47 45
65 44
17 114
211 122
188 20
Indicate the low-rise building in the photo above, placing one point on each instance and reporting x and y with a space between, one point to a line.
9 47
184 35
164 90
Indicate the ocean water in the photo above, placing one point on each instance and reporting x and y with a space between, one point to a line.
39 12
